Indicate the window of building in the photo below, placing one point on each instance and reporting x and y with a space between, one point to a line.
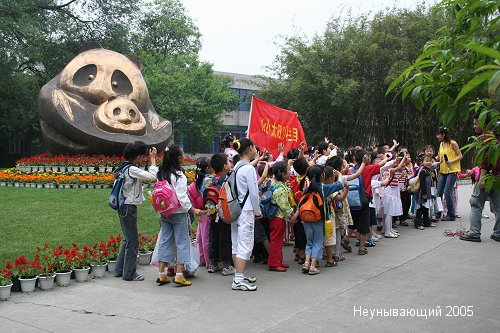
245 99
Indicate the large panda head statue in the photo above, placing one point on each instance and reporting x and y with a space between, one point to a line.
97 104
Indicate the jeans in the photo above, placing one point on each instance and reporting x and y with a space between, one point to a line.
314 236
127 256
446 183
477 200
174 230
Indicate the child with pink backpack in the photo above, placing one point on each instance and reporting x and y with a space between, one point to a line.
174 224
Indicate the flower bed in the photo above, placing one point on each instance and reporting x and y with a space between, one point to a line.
102 163
13 176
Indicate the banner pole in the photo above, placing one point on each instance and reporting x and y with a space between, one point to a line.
250 117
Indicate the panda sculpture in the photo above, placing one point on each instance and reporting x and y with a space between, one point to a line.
97 104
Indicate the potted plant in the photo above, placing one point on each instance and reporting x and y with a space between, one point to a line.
81 265
99 259
63 262
47 264
5 283
146 247
27 272
113 245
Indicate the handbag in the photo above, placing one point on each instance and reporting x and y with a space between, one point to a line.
438 205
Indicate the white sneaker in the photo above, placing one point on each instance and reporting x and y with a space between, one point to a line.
229 270
396 235
243 285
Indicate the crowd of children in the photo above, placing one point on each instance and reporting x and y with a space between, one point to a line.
318 199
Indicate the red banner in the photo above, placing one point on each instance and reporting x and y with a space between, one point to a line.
270 125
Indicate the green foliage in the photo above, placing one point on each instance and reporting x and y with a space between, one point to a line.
458 74
188 93
337 81
39 37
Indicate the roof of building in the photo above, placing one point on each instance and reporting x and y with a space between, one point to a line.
243 81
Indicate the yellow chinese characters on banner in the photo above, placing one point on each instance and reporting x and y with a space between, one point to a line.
279 131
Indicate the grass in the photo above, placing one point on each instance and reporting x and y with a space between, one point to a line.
31 217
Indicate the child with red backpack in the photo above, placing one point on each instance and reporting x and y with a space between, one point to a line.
220 232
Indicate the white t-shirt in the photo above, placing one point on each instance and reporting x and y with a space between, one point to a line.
246 181
322 160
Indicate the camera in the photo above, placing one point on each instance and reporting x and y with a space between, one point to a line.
402 154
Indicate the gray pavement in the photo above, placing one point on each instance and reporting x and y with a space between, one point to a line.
421 270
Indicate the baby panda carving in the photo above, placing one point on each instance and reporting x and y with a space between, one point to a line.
97 104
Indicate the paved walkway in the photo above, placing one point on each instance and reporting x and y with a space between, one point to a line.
418 271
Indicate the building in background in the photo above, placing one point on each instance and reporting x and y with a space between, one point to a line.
236 121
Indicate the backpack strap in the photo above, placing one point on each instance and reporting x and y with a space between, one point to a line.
236 185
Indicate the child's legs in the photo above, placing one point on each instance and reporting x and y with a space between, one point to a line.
336 247
224 232
278 226
181 233
127 258
213 241
387 224
204 230
308 230
244 233
317 246
166 244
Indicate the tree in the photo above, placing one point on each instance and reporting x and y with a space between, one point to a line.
187 92
458 73
337 81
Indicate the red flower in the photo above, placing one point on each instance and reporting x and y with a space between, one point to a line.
9 265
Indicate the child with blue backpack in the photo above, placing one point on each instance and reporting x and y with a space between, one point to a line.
136 153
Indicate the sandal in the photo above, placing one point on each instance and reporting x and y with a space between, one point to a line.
404 223
137 277
345 245
305 268
340 257
362 252
331 264
313 270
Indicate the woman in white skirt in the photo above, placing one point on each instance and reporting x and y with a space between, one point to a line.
392 199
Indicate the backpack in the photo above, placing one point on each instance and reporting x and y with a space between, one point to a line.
414 184
310 207
164 198
116 198
195 196
268 208
356 197
228 205
211 195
